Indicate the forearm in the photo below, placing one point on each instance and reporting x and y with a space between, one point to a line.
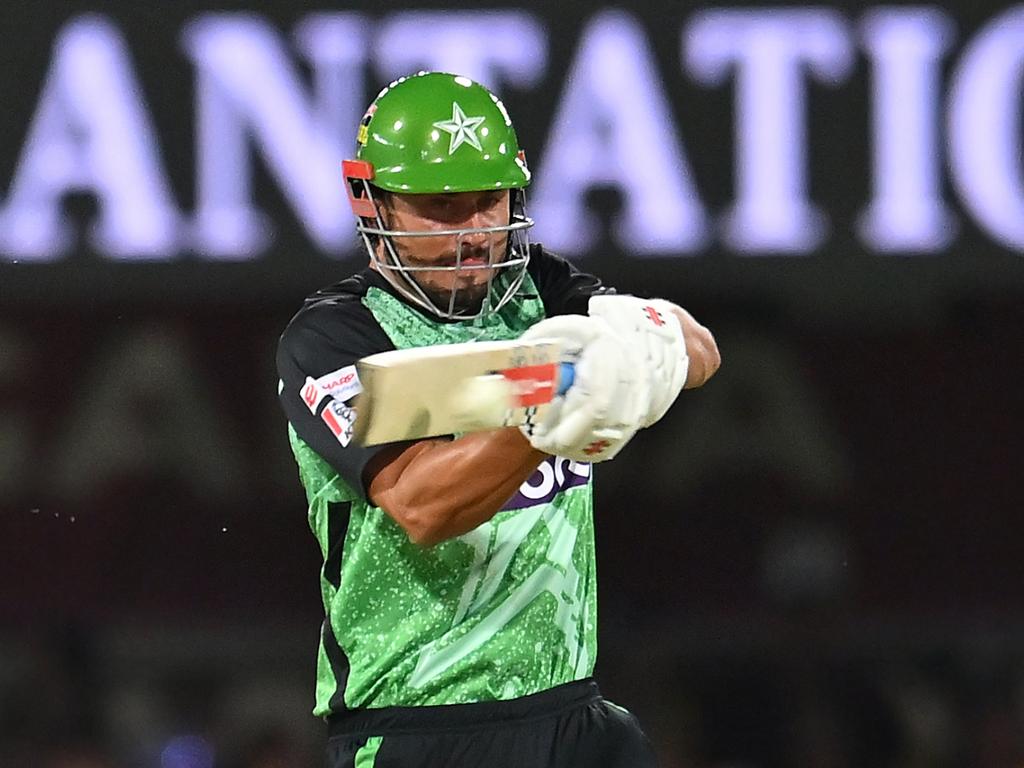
438 489
700 348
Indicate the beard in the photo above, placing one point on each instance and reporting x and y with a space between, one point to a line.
463 291
462 299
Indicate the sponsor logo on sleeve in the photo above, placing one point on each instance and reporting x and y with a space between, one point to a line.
312 395
340 419
342 384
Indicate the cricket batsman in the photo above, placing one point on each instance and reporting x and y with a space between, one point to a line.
458 573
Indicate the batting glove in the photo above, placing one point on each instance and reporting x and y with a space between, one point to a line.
602 409
651 328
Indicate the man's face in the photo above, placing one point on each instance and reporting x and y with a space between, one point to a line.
474 251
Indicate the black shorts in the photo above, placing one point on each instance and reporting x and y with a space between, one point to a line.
570 726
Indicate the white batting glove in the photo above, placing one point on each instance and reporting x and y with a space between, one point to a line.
602 409
650 327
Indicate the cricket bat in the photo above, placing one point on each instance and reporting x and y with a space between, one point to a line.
409 394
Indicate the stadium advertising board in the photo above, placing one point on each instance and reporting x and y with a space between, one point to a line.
716 136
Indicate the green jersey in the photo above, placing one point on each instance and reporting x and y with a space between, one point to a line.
503 611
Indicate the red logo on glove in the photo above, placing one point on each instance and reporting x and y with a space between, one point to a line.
654 315
596 447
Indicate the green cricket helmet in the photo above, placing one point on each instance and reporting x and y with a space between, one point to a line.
438 133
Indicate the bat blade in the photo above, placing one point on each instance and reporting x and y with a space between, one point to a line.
414 393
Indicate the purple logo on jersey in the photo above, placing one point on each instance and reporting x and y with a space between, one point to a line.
553 475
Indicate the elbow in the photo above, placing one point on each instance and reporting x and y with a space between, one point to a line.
424 534
423 528
714 357
701 350
705 359
402 501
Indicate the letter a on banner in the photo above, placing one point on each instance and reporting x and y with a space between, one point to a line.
90 133
614 128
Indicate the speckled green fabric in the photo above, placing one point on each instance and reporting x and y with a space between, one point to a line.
503 611
409 328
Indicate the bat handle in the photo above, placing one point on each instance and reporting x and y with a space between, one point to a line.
566 376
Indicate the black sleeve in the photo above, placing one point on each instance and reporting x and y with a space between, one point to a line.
564 289
316 365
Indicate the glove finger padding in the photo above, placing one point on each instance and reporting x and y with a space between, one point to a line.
574 331
651 328
600 413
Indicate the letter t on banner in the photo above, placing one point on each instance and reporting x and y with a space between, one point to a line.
768 49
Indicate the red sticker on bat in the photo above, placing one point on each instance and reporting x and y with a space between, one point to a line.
532 384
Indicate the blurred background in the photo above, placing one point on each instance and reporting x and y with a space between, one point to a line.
813 561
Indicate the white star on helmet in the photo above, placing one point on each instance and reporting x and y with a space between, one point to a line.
462 129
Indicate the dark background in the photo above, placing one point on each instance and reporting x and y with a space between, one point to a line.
813 561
